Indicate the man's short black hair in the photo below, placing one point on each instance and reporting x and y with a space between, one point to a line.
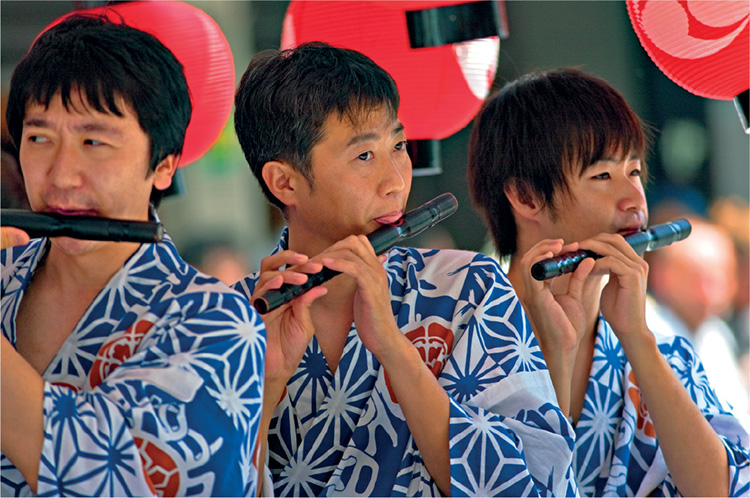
538 131
285 97
106 60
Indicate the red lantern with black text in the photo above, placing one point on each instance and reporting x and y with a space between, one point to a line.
442 82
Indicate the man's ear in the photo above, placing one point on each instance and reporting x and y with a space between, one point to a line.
525 204
164 171
282 181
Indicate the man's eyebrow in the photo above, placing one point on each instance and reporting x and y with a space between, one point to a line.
98 128
364 137
84 127
36 122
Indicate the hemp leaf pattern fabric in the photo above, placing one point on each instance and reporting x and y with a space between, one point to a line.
158 389
344 434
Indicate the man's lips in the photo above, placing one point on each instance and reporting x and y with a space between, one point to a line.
73 212
389 218
631 228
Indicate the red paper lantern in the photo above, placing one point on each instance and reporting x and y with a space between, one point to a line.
702 45
441 87
199 44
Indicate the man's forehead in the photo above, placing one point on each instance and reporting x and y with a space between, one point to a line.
78 102
360 113
379 121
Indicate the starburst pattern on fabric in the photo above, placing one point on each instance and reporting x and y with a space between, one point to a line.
157 389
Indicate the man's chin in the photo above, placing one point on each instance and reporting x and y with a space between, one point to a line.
73 246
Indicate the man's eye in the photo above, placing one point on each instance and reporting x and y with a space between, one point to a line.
601 176
365 156
401 145
90 141
38 139
636 172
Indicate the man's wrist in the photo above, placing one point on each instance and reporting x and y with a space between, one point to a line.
401 353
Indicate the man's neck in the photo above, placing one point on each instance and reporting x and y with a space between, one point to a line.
90 271
341 288
301 237
62 289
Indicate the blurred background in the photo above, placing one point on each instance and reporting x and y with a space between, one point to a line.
700 152
699 162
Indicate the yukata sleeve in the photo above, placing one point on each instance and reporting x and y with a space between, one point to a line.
738 454
734 435
246 286
728 427
171 406
507 434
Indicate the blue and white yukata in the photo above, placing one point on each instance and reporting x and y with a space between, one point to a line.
616 451
344 433
157 390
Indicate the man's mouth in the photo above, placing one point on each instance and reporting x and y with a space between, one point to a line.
628 231
73 212
389 218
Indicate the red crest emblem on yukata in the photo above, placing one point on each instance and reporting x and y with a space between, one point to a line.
434 344
113 353
161 469
644 421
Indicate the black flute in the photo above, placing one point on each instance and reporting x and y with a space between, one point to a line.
412 223
652 238
81 227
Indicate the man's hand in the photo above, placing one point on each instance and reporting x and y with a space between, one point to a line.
12 236
423 401
694 454
289 328
373 316
623 299
558 319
